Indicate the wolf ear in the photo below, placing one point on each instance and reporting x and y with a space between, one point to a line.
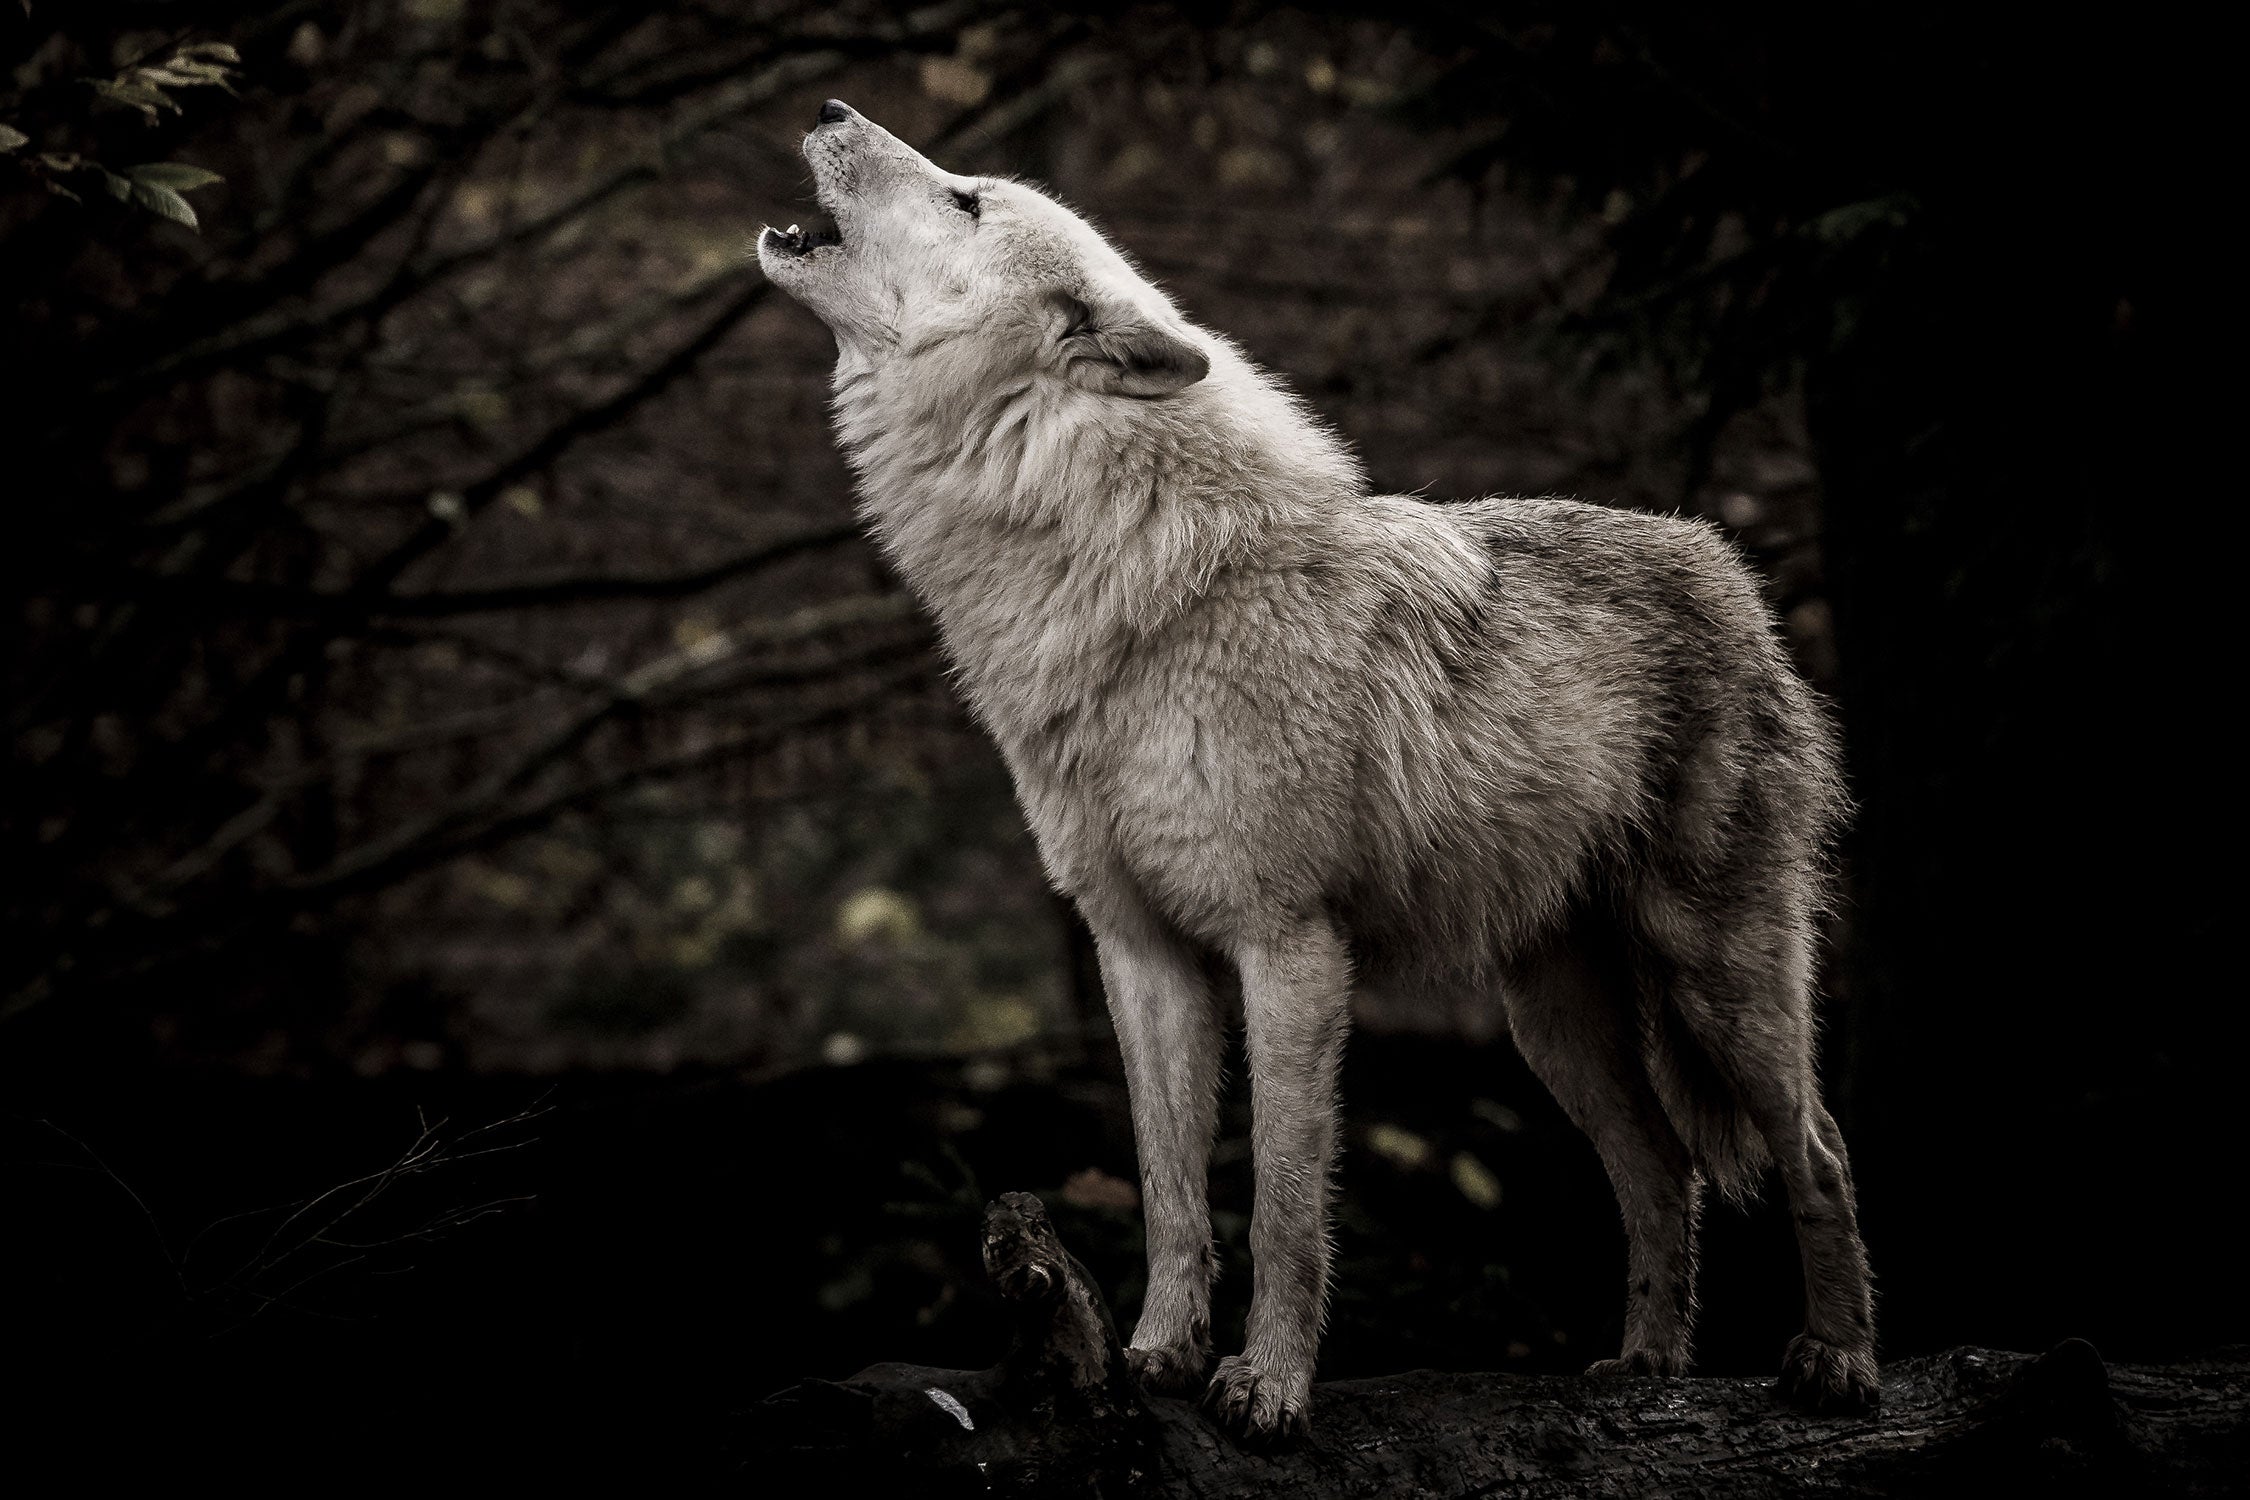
1119 352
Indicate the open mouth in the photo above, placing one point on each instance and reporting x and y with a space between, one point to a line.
799 241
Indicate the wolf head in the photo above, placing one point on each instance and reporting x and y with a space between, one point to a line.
920 259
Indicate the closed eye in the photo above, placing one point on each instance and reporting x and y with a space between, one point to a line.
968 203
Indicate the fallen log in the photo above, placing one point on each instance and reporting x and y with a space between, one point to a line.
1061 1415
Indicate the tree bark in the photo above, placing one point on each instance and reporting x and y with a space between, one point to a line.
1061 1416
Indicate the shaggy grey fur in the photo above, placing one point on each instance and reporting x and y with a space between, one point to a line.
1546 752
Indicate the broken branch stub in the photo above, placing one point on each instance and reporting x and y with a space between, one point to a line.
1059 1414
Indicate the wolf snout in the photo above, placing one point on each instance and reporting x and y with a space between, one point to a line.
835 112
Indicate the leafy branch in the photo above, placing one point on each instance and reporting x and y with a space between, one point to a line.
143 86
156 187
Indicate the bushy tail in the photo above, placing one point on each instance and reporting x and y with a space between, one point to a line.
1727 1148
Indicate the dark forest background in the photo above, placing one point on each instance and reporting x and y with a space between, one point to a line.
512 951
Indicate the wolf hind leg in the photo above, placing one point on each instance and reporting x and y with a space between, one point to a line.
1742 989
1575 1015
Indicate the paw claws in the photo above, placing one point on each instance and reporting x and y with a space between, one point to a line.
1827 1378
1261 1410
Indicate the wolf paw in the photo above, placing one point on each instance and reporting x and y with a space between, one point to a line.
1830 1378
1634 1363
1262 1410
1170 1370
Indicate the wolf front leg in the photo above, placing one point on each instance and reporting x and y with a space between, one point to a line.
1168 1031
1296 988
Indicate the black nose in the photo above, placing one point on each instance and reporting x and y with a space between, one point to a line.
835 112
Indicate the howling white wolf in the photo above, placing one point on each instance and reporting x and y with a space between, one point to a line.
1543 751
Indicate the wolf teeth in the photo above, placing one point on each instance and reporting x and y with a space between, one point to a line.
791 230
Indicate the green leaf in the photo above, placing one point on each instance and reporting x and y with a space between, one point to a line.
119 187
10 138
164 203
223 51
62 192
176 175
1847 223
177 76
186 72
139 96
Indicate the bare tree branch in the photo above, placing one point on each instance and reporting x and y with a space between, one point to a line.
542 593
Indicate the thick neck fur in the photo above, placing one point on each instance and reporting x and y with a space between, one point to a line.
1052 530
